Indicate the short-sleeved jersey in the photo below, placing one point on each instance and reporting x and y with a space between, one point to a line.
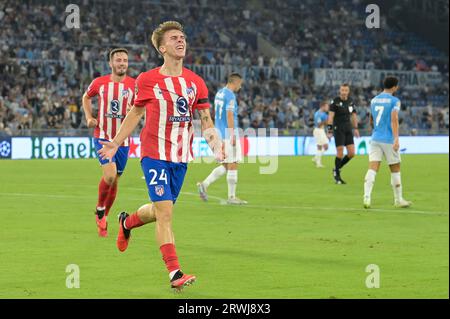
113 99
382 107
169 103
342 113
320 118
224 101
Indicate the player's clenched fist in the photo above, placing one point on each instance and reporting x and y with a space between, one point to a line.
91 122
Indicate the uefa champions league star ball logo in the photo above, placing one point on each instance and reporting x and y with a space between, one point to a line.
182 105
5 149
115 106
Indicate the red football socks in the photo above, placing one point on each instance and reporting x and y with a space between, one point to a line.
111 197
133 221
170 257
103 191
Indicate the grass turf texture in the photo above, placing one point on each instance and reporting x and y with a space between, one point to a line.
301 235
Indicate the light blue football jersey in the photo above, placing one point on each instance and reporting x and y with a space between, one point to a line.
225 100
381 108
320 118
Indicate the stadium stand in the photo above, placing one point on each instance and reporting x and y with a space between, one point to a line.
45 67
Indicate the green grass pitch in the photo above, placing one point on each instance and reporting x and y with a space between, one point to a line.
301 236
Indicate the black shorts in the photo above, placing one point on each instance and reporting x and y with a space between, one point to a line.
343 137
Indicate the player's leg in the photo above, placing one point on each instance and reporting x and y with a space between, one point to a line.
375 158
233 157
155 173
120 159
166 241
104 188
350 146
318 147
322 146
369 182
144 215
109 175
337 161
164 231
339 139
394 160
216 173
232 179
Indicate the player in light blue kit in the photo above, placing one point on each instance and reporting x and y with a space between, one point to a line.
385 142
320 137
226 121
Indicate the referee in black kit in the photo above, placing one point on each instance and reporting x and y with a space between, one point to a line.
342 121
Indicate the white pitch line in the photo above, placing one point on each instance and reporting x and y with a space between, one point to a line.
400 211
223 202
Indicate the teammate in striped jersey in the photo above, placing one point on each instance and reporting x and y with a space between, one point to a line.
168 96
115 94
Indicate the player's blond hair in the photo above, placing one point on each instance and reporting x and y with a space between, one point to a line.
158 34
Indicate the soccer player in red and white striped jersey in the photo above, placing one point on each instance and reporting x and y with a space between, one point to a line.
168 96
115 94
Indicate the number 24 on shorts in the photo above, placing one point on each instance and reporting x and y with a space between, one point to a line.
154 176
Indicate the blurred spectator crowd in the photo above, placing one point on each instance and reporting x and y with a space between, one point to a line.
45 67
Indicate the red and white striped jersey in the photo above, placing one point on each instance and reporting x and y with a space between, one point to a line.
113 98
169 106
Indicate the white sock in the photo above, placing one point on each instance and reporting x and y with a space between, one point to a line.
172 273
396 182
215 175
319 157
369 181
232 178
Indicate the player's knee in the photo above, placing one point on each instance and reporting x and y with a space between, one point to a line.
109 178
164 215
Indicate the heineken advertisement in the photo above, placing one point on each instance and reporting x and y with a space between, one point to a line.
83 147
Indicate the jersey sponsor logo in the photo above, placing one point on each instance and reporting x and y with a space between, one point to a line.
350 108
115 106
174 118
159 190
182 105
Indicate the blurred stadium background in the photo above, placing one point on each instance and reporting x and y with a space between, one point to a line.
308 239
293 54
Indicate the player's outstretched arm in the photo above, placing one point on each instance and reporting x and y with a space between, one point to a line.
210 134
128 125
394 124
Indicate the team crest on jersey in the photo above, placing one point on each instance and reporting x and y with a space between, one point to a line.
115 106
159 190
191 94
125 93
135 90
